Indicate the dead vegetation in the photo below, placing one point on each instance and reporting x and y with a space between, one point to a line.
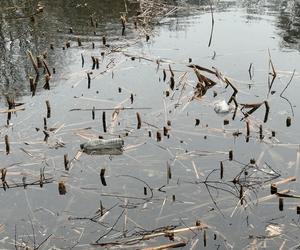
187 90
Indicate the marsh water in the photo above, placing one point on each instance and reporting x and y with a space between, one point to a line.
154 183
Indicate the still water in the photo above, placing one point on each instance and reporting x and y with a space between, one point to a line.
153 184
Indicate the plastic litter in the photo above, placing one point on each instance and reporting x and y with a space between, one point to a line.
221 107
102 147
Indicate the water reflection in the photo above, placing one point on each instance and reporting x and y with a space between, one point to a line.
29 25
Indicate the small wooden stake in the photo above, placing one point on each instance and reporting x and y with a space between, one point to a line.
298 209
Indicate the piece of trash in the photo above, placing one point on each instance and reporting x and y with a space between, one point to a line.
221 107
103 147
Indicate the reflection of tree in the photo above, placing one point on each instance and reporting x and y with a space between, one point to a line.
23 26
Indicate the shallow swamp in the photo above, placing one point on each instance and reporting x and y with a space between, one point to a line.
201 99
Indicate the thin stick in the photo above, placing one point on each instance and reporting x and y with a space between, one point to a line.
212 24
167 246
34 64
284 181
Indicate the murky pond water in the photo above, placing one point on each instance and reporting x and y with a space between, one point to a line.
182 161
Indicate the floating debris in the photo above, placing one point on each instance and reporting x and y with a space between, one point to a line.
103 147
221 107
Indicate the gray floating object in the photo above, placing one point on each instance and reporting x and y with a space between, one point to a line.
103 147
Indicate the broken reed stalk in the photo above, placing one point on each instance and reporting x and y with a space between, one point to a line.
230 155
31 82
82 60
104 121
45 123
89 80
261 136
273 73
284 181
248 131
273 188
34 63
267 111
79 42
66 162
280 204
169 173
166 233
221 170
48 109
166 130
288 121
47 80
94 62
131 98
158 136
7 146
102 177
172 83
212 24
164 75
139 120
62 188
93 113
250 71
46 67
171 71
3 176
